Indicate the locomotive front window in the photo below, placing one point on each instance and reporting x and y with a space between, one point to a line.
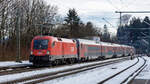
40 44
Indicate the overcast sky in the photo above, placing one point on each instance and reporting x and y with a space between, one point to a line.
95 10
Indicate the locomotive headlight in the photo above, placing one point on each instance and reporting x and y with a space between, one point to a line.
31 52
48 52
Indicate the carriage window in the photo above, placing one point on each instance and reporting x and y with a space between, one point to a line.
40 44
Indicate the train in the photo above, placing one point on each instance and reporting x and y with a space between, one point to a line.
50 50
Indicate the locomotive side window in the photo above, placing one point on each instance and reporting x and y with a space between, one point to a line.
53 44
40 44
59 39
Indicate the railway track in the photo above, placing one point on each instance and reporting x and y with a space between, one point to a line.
129 78
53 75
24 68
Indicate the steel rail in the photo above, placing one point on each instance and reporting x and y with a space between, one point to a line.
53 75
133 75
111 77
26 68
103 81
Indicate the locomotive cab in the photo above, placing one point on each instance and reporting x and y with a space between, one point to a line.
40 50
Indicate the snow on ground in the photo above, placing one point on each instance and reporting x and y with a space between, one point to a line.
145 74
13 63
93 76
31 73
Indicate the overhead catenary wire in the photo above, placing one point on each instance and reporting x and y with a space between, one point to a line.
108 22
110 2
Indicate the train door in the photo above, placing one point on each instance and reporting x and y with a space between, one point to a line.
114 51
78 48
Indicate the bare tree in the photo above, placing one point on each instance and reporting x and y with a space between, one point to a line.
33 15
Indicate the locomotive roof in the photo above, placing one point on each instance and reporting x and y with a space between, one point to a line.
54 38
64 40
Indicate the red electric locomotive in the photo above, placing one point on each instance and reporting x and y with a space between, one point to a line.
45 49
